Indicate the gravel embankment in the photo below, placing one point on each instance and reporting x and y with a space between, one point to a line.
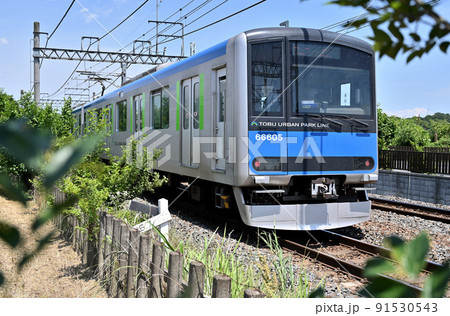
382 224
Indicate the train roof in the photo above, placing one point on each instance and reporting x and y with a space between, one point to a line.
201 57
220 49
307 34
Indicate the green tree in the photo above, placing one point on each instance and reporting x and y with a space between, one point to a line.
410 133
394 25
9 108
387 128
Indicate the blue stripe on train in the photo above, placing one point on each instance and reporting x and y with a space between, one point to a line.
312 145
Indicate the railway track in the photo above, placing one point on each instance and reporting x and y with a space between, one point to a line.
425 212
333 250
338 248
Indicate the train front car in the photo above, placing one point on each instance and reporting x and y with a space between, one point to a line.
311 127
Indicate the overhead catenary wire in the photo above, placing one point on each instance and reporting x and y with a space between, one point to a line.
60 21
73 72
109 32
124 20
218 21
181 18
124 47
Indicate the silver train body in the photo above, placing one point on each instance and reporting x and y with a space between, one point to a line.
279 123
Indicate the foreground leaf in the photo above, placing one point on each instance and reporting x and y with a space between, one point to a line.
415 253
386 288
2 279
11 191
24 143
377 266
27 257
51 212
436 283
317 293
9 234
67 157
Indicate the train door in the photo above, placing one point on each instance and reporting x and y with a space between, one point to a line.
219 119
190 101
138 112
108 125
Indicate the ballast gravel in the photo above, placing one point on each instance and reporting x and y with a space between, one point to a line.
249 251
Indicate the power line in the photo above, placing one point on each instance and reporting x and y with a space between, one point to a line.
109 32
123 21
218 21
189 13
57 26
181 18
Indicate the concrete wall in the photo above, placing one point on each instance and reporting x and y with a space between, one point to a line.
414 186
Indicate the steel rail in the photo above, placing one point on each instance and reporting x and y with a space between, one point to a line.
425 212
372 249
335 262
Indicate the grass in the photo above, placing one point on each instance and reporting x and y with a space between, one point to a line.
275 275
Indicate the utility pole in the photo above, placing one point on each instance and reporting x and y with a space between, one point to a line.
125 59
37 65
157 27
164 35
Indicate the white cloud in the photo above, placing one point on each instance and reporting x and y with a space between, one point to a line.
410 112
3 41
88 15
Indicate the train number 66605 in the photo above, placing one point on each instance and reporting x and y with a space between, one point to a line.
269 137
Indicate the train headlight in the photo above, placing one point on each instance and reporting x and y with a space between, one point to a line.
267 164
363 163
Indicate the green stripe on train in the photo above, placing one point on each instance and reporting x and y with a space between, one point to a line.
202 99
178 105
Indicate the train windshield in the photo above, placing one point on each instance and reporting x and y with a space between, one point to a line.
267 79
330 80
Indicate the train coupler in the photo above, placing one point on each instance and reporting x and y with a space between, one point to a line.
323 188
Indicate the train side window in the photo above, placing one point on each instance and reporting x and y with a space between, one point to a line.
78 130
121 116
156 110
160 109
186 107
98 114
195 114
138 112
108 117
222 95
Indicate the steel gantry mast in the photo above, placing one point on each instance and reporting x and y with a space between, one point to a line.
144 56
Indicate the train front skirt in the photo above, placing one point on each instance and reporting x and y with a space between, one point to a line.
303 216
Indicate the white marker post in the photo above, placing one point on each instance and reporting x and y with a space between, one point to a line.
161 220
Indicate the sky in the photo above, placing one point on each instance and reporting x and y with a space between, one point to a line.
406 90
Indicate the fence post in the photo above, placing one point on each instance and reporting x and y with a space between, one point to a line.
221 286
90 246
74 232
101 244
157 270
132 262
108 246
123 260
174 282
253 293
196 281
84 245
144 267
114 258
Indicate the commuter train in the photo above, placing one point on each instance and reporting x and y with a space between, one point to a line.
278 123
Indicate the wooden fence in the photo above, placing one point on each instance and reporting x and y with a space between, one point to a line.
130 264
430 161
